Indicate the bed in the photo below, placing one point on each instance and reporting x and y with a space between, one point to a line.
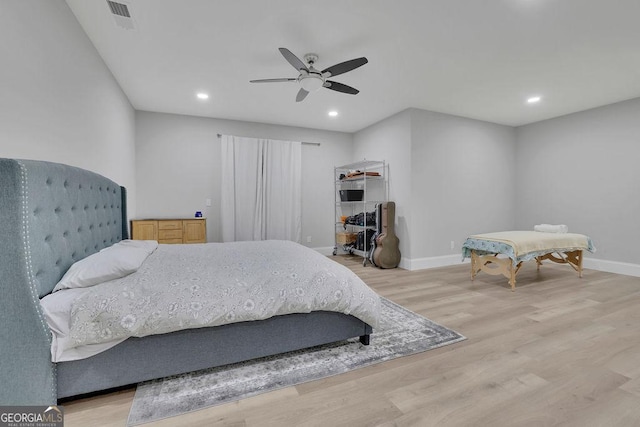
53 217
504 252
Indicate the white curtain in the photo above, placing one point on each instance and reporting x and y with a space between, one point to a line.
261 190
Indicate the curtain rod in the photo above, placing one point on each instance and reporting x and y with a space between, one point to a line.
303 142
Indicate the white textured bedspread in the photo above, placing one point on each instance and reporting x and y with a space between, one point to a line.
192 286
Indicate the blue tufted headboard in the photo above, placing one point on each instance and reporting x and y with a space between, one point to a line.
51 215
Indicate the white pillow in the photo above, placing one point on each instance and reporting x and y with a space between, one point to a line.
149 245
111 263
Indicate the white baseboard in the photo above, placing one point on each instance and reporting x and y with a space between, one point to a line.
431 262
612 266
624 268
595 264
411 264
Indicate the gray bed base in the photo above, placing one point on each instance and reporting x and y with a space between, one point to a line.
52 215
195 349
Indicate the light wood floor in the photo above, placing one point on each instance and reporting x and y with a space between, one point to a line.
558 351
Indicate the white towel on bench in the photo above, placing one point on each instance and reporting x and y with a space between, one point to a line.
550 228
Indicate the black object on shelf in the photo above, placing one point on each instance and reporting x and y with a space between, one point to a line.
351 195
362 219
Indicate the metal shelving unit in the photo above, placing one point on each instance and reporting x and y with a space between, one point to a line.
373 181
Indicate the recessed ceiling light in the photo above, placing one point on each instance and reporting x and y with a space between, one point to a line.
333 113
202 95
533 99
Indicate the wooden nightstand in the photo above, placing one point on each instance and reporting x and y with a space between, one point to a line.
192 230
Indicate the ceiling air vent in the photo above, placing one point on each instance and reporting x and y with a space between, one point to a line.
119 9
121 14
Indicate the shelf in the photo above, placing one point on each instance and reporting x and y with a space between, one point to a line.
362 202
370 227
361 227
359 179
365 164
375 186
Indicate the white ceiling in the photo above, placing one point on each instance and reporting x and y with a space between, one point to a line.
474 58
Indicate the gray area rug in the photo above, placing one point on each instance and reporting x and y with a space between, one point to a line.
401 333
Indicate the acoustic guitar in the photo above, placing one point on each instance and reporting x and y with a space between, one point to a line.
385 251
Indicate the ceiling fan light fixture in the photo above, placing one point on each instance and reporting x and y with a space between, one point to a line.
311 82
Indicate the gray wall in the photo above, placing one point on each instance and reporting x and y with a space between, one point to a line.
463 181
58 100
440 176
390 140
582 170
178 168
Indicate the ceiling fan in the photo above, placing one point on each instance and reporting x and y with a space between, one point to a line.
311 79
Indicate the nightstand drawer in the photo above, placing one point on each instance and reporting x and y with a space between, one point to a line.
170 225
170 241
169 234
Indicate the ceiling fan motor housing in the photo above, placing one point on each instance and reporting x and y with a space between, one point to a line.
311 58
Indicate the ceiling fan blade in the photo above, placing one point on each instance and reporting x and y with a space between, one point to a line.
344 67
339 87
302 94
292 59
272 80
